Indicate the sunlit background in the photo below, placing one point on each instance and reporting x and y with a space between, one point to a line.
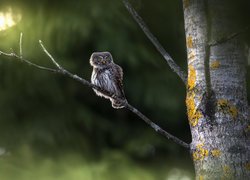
52 127
8 19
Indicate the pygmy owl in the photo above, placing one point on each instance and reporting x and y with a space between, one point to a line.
108 76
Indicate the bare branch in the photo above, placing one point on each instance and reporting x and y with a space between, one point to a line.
13 55
229 37
62 71
156 127
155 42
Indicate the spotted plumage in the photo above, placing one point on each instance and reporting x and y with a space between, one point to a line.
108 75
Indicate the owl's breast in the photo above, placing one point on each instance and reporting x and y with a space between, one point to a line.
94 79
104 79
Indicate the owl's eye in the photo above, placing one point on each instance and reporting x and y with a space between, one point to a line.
107 58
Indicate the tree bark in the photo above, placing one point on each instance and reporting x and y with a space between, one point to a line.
216 92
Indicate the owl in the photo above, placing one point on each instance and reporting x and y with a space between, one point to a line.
108 76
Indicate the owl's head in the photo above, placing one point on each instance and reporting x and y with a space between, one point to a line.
101 59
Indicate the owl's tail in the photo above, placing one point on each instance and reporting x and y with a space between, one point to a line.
117 104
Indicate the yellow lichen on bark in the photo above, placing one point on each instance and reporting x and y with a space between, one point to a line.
226 107
191 55
191 77
226 169
215 64
233 111
189 42
247 129
186 3
201 177
247 166
227 172
200 153
216 152
193 114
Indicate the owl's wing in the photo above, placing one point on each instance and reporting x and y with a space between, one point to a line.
119 78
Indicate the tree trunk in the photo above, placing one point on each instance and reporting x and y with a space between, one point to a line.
216 92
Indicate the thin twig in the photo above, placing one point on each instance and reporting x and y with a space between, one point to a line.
50 56
62 71
155 42
20 45
229 37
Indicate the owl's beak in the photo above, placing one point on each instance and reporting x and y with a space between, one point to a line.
102 60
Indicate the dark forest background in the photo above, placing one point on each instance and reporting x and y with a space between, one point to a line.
52 127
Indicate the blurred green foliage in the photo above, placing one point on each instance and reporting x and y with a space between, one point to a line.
52 127
112 165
